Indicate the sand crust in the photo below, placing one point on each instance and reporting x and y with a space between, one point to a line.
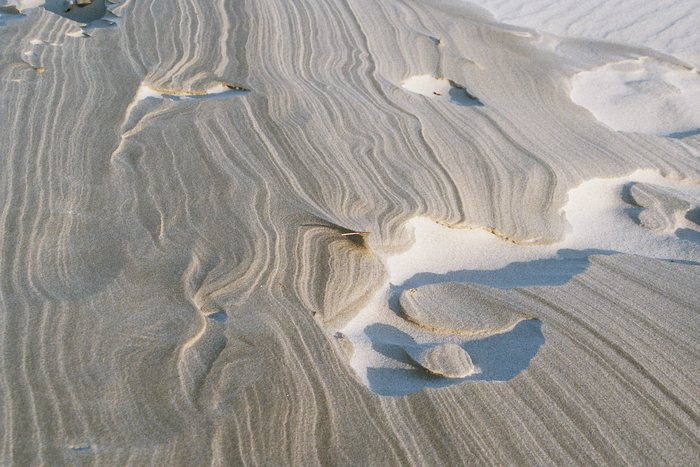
194 277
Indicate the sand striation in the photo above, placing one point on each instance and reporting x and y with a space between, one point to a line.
188 280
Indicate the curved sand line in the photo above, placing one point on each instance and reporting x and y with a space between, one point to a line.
600 224
94 261
148 98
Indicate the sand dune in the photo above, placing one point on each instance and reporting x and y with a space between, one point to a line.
669 26
463 285
211 211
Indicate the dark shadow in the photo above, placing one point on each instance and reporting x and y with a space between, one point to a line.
543 272
626 194
689 235
81 13
460 96
91 15
537 273
634 209
633 213
693 215
8 14
219 316
390 341
685 134
500 358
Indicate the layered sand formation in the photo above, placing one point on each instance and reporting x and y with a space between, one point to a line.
470 286
218 280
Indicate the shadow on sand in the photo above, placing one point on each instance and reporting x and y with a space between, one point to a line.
500 358
543 272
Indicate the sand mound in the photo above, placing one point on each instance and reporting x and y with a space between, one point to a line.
642 95
468 309
472 286
446 360
177 304
663 209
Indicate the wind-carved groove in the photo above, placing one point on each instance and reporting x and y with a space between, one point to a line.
331 284
198 354
149 98
469 319
358 238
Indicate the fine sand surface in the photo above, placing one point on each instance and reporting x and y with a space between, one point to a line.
347 232
669 26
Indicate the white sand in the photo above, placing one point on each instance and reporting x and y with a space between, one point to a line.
642 95
442 89
600 223
670 26
217 90
211 208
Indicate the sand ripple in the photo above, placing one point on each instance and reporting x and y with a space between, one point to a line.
174 270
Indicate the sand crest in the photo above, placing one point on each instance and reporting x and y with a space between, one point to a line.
213 213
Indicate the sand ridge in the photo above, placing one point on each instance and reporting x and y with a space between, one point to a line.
467 286
173 271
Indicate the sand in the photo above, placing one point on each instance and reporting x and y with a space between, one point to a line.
668 26
211 212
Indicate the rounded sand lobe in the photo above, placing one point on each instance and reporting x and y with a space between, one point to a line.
446 360
643 95
467 309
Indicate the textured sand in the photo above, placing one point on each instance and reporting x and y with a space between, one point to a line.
670 26
202 202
